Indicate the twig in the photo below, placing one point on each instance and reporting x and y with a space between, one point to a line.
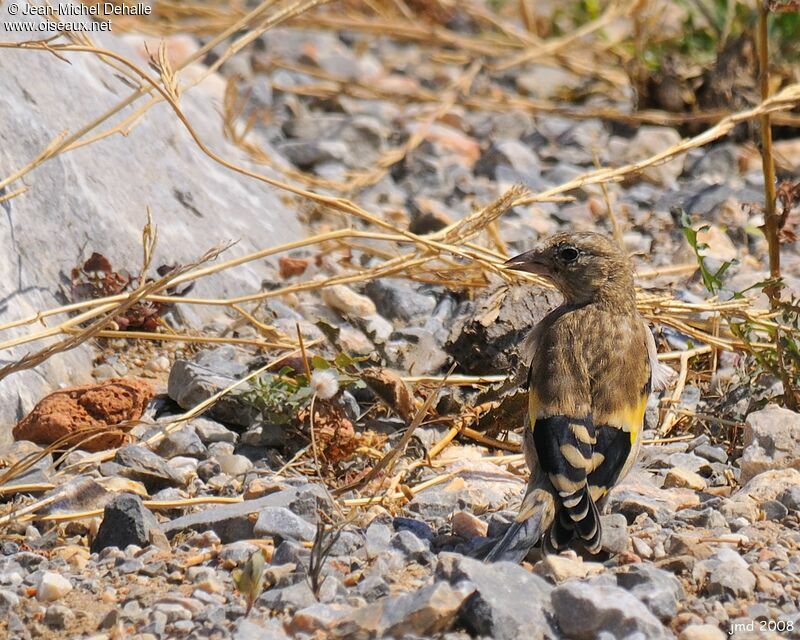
389 458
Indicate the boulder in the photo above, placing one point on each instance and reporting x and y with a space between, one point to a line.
94 198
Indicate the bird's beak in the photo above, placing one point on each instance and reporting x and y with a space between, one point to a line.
535 262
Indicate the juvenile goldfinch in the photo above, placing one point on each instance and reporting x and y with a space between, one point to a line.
592 362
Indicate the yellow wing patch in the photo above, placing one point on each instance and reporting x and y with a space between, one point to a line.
533 408
629 419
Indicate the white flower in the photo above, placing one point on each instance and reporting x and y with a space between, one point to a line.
324 384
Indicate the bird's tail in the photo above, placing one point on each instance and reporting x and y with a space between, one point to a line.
578 515
535 517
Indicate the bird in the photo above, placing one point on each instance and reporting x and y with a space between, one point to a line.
591 365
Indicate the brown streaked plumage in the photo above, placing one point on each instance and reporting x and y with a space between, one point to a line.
592 363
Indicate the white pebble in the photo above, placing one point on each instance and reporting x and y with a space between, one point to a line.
52 586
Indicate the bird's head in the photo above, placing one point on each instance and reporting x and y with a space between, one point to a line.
585 267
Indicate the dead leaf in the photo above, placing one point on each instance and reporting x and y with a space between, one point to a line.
391 389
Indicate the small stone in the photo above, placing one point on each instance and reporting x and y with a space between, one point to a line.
771 441
642 549
8 601
468 526
58 616
290 599
348 302
110 620
586 611
728 575
683 478
259 487
232 522
157 364
714 454
690 462
127 521
172 611
210 431
141 464
558 568
377 328
247 629
650 140
192 382
791 498
659 590
183 442
774 510
424 612
207 469
702 632
413 548
332 621
639 495
184 468
52 586
282 523
518 158
615 533
373 588
377 539
236 554
420 529
234 465
397 299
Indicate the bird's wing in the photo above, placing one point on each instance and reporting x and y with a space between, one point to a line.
564 448
628 378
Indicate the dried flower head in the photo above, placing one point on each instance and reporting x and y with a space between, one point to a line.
324 384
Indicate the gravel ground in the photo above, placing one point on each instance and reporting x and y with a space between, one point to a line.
700 542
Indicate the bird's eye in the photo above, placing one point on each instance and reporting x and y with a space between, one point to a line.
568 254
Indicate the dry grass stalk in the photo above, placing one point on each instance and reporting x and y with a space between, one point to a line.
771 218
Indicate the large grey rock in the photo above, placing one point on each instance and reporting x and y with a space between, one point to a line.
210 431
94 198
658 589
231 522
289 598
587 611
424 612
194 381
396 299
127 521
725 573
421 613
508 602
36 472
139 463
184 442
282 523
771 441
